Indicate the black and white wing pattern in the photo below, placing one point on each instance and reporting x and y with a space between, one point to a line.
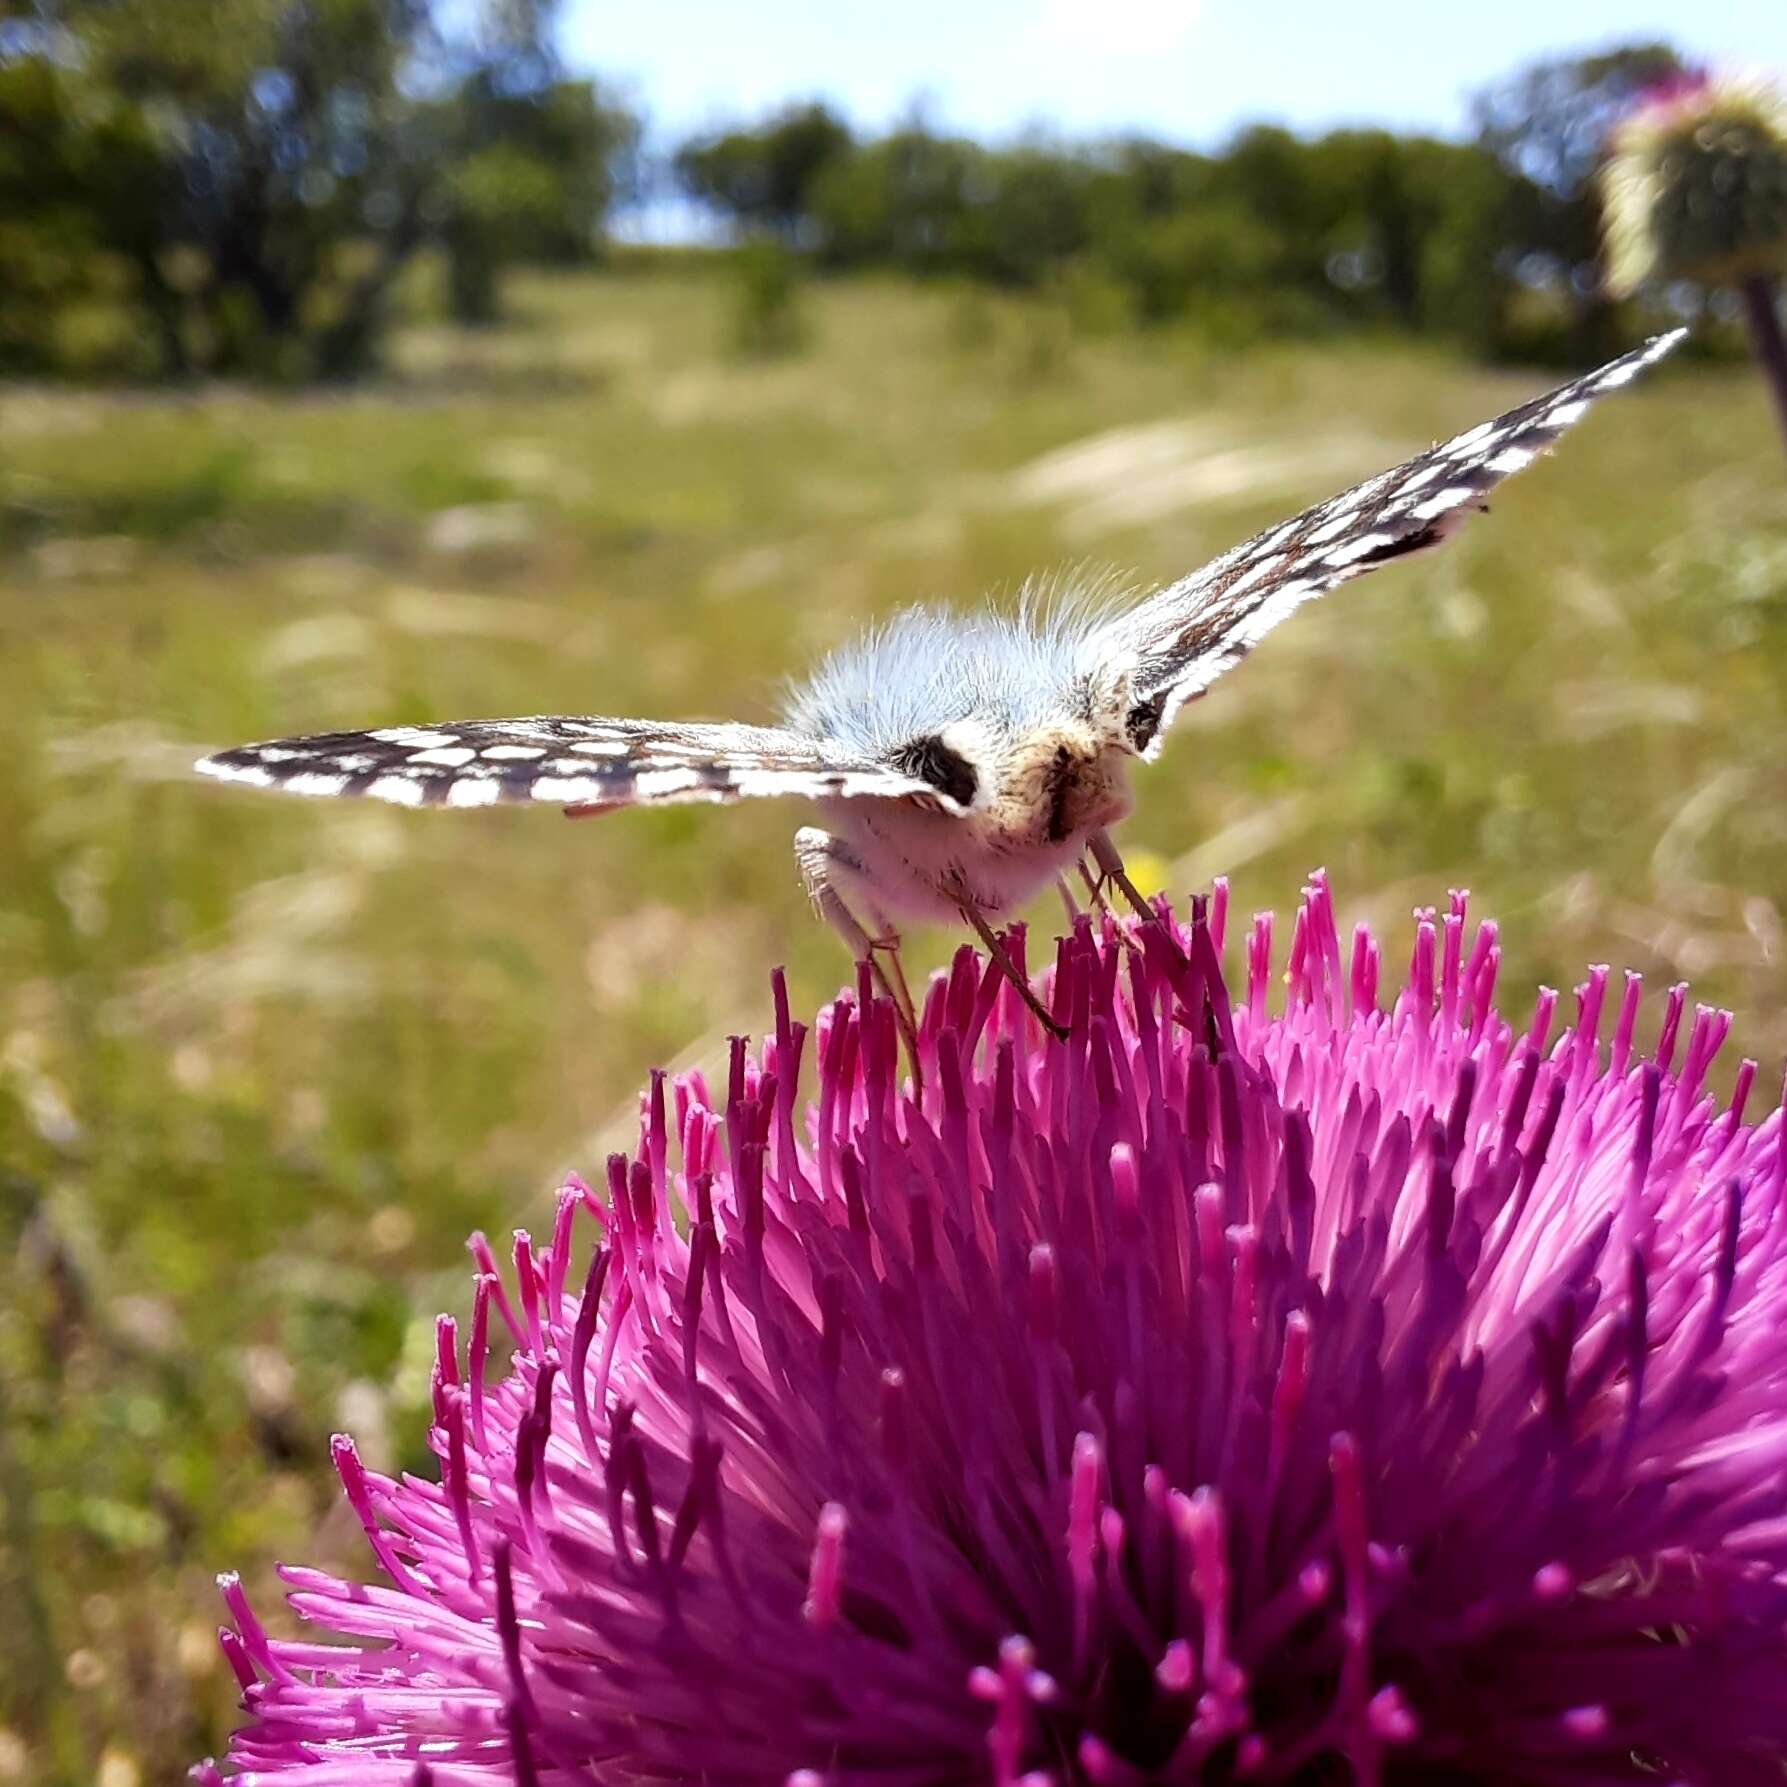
576 762
1181 640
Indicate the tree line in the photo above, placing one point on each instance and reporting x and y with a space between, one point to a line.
1490 243
188 189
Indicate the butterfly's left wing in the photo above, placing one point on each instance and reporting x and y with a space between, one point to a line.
584 763
1178 642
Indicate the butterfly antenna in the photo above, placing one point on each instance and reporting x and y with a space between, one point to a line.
1000 954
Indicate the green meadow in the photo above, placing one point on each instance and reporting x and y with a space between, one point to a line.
264 1063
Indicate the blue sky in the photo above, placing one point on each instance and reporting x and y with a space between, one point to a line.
1186 72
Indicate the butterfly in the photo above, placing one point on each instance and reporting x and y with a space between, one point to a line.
960 763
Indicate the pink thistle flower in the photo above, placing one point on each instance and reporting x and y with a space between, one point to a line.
1678 87
1694 186
1381 1393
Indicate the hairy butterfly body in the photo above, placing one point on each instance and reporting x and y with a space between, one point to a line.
960 763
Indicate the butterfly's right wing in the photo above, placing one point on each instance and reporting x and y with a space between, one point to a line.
580 762
1180 641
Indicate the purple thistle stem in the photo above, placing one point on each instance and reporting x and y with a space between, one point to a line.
1373 1392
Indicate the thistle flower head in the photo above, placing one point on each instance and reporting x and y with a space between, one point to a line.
1379 1391
1695 183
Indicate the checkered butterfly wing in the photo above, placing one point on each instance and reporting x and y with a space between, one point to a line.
580 763
1181 640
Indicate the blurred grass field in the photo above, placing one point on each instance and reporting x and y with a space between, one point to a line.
264 1063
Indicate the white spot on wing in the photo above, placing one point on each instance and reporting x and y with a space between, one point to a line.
750 782
450 756
1332 529
1256 574
1462 444
415 738
514 753
472 791
652 784
1270 612
312 781
401 791
256 775
1344 555
1449 498
1512 459
573 788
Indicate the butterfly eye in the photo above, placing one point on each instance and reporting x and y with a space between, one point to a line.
1142 722
947 770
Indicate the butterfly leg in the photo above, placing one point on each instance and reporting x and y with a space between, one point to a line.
995 945
1096 888
884 958
820 857
1111 873
1096 884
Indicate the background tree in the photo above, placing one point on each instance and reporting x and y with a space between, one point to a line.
532 166
77 197
763 179
1407 230
248 181
530 161
905 201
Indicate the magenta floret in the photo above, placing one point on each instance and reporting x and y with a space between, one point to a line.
1386 1395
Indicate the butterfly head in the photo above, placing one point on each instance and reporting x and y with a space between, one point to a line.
1040 783
1064 781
